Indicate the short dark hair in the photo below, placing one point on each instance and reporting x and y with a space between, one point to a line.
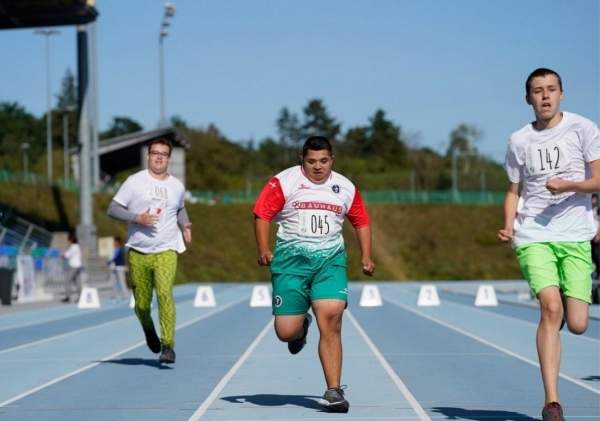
72 237
542 71
160 141
118 240
316 143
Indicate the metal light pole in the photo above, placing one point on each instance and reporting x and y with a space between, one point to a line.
66 112
166 22
454 175
25 148
48 33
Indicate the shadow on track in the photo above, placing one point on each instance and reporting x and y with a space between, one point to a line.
276 400
138 361
481 414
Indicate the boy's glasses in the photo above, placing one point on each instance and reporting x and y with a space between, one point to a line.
161 154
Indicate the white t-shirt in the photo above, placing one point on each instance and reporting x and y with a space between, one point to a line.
535 156
141 192
73 256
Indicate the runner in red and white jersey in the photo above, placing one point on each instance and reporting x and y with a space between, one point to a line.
309 203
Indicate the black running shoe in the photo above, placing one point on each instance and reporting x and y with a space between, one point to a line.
152 340
334 401
167 356
552 412
296 345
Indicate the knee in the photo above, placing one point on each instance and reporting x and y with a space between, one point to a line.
331 324
552 311
142 309
577 327
287 332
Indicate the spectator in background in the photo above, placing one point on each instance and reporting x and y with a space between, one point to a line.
75 266
118 268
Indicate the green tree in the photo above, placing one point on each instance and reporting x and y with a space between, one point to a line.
17 127
288 128
384 139
317 121
462 143
121 126
463 140
67 98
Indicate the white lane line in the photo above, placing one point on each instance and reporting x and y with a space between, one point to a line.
514 318
227 377
488 343
116 354
74 314
63 335
423 416
73 332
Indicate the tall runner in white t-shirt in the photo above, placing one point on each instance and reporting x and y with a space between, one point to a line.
309 203
152 202
556 161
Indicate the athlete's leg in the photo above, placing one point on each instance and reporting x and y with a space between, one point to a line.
576 314
548 340
165 268
576 283
140 271
290 304
329 319
289 328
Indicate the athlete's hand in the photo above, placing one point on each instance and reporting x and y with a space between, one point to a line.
146 219
265 257
368 267
558 185
187 232
505 234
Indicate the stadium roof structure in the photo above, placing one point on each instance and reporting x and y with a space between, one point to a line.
123 152
127 140
16 14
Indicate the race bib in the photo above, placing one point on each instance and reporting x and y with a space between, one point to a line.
315 223
546 159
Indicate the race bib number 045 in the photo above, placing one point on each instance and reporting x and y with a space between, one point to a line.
314 223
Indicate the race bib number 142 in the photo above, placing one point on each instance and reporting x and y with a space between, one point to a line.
547 158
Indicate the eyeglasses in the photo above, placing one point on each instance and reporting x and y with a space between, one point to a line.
161 154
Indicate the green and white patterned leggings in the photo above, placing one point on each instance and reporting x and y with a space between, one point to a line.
149 271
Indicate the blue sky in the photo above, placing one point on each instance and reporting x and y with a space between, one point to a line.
431 65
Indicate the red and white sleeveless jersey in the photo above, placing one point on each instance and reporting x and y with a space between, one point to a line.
309 215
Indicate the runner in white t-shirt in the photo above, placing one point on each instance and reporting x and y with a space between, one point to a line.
309 203
152 202
556 161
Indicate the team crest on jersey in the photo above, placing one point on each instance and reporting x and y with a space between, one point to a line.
277 300
335 188
303 187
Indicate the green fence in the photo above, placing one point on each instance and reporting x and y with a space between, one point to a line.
249 196
381 196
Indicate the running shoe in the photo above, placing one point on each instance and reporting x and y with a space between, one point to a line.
167 356
334 401
552 412
296 345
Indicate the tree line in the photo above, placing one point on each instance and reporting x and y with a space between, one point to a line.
377 155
